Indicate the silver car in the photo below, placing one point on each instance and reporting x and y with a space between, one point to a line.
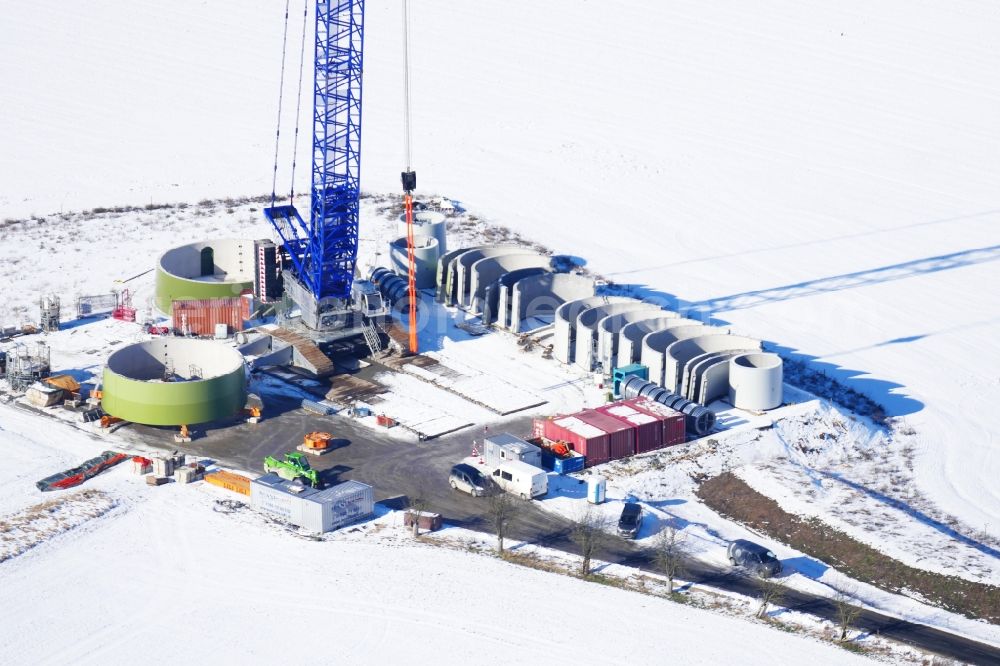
470 480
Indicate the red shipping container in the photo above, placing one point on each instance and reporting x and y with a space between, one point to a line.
621 435
648 428
201 316
674 424
586 439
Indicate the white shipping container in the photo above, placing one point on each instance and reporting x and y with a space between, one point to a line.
270 493
345 503
315 510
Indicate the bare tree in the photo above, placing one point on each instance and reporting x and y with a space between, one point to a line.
503 508
771 592
418 504
669 557
589 533
847 612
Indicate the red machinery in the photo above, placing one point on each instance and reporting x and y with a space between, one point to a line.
124 310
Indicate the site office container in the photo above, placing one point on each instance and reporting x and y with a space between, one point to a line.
345 503
648 427
504 446
202 316
621 435
588 440
672 421
315 510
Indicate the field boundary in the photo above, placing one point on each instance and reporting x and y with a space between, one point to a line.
733 498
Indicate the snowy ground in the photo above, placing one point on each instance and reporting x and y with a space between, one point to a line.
821 176
796 463
821 447
663 482
170 559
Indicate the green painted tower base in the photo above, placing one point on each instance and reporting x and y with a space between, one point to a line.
174 381
221 268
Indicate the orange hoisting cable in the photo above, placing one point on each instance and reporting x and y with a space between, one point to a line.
409 182
412 277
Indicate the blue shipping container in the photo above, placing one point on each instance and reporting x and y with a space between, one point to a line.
573 463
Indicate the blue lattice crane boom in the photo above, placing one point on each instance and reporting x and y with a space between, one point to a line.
323 251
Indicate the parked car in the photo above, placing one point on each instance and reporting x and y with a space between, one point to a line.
755 558
521 479
630 521
470 480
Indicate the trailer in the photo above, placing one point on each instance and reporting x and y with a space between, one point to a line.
88 470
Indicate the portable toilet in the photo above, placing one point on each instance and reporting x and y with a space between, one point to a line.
597 487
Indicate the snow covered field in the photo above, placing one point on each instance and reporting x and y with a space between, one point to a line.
821 445
663 482
169 567
665 487
821 176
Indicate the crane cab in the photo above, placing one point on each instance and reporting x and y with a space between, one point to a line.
368 300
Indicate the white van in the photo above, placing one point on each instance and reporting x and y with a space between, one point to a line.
521 479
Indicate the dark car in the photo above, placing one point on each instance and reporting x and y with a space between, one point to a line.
753 557
470 480
631 519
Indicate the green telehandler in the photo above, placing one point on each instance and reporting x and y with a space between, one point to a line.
292 467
